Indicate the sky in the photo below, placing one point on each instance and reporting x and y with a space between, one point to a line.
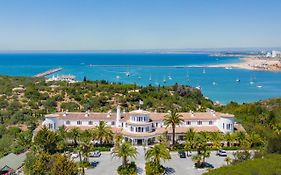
138 24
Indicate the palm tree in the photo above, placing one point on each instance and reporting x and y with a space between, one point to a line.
86 145
157 153
162 139
172 119
216 139
103 133
189 139
118 138
124 151
228 160
74 135
229 138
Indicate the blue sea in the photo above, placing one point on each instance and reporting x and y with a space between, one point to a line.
218 84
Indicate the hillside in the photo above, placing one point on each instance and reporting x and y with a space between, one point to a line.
268 165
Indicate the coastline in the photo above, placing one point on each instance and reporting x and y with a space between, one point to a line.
253 63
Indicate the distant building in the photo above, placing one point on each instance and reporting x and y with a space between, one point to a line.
142 127
67 78
12 164
276 54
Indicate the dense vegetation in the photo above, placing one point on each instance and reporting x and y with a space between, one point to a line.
25 100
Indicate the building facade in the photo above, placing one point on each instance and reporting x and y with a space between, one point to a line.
142 127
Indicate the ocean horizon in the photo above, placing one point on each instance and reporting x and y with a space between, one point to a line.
218 84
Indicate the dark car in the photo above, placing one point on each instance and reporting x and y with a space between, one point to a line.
182 154
207 165
94 164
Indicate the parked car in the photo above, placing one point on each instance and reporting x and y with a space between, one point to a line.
182 154
207 165
95 154
94 164
221 153
74 155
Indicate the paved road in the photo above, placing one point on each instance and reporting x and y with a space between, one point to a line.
176 166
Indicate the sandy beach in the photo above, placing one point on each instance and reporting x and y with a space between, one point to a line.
253 63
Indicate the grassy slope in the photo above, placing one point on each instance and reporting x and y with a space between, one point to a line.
269 165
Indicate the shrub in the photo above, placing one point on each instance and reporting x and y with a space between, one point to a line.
129 169
153 169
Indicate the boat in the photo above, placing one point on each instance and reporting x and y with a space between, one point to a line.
237 80
164 80
198 87
253 80
139 77
204 71
259 86
228 67
117 77
169 77
127 74
214 83
150 78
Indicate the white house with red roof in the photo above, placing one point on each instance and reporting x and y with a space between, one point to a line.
140 126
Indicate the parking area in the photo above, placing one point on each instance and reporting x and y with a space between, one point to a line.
176 166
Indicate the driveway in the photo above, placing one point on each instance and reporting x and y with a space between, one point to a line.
176 166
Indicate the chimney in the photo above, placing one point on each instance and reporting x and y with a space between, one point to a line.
65 113
87 113
192 113
118 116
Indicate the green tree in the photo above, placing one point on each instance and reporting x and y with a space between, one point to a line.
124 151
103 133
74 135
62 165
46 141
172 119
157 153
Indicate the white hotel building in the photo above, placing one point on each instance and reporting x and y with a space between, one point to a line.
142 127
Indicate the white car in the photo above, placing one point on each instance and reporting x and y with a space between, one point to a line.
221 153
74 155
95 154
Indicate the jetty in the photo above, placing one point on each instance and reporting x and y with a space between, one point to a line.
158 66
48 72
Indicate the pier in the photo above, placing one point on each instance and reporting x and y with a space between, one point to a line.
156 66
48 72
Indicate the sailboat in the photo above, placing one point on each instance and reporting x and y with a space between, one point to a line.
150 78
164 80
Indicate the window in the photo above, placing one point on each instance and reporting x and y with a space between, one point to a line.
79 122
210 122
112 123
188 123
228 126
147 129
199 122
50 126
132 129
67 122
223 125
90 122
